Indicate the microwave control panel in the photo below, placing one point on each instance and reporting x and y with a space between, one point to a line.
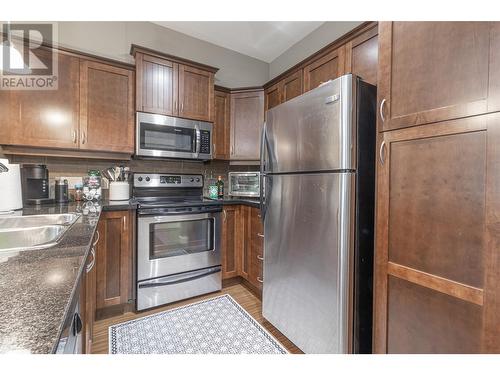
205 142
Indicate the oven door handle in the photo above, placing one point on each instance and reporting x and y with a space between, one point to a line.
176 279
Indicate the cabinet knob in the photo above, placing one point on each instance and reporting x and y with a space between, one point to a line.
260 257
260 280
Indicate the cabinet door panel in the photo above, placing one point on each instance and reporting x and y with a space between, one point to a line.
48 118
196 93
221 133
107 110
114 255
437 229
324 69
247 118
230 243
362 56
157 81
432 71
272 96
291 86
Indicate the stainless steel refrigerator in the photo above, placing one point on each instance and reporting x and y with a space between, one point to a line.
318 182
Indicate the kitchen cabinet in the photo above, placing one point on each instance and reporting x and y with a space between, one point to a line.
291 86
247 118
362 55
106 107
231 241
172 86
44 118
324 68
272 96
436 71
437 237
221 130
114 254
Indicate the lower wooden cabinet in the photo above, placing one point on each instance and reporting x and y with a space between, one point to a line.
88 294
242 244
437 238
114 255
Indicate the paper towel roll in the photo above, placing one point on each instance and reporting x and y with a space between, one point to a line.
10 187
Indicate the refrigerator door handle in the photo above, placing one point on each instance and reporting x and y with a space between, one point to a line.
262 171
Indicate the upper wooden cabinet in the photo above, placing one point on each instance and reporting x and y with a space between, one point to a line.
156 85
221 131
272 96
291 86
324 68
173 86
44 118
247 118
106 107
436 71
362 56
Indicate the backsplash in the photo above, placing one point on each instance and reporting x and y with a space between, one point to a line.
70 167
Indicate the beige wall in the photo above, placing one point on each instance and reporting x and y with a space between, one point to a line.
319 38
113 40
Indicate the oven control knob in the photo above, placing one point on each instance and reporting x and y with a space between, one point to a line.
198 179
192 180
148 179
139 179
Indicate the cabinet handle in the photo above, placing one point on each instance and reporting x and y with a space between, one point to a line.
260 257
260 235
182 106
74 135
381 152
381 110
83 137
213 150
97 240
225 215
260 280
232 150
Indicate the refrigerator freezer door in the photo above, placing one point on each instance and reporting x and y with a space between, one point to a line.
307 259
312 132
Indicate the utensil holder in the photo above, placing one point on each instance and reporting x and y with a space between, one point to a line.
119 191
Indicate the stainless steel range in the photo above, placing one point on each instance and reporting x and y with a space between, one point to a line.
178 239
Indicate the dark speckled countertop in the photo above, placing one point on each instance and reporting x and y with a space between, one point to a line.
38 286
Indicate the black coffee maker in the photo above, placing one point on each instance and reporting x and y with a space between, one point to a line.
35 184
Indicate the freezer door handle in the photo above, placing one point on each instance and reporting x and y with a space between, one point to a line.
178 279
262 171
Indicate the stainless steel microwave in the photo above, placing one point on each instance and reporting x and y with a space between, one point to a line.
244 184
162 136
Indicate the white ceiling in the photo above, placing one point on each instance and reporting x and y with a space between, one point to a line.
262 40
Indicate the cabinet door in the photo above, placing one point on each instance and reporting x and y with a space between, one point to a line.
196 93
432 71
157 85
230 241
247 118
362 56
324 69
114 259
291 86
45 118
272 96
106 108
221 130
437 238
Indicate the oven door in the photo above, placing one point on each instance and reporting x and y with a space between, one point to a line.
166 136
171 244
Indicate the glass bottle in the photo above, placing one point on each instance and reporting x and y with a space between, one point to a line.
220 187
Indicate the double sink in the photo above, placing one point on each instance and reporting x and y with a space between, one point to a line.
34 231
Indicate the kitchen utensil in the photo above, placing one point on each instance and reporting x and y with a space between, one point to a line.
106 173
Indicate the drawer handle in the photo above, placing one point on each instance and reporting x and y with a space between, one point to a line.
260 280
260 257
260 235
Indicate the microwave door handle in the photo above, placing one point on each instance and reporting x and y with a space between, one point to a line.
198 140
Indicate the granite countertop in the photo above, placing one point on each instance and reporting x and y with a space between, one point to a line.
38 286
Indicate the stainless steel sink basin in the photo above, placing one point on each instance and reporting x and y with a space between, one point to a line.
33 231
30 238
37 220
